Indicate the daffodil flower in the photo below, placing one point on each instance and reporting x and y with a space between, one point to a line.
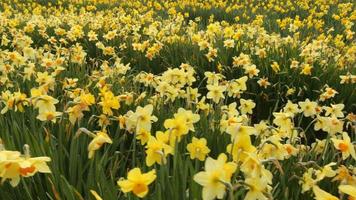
137 182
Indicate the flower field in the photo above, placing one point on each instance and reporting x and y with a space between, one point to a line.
177 99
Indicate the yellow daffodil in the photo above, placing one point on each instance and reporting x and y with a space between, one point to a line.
198 149
190 117
216 92
284 121
252 167
308 107
109 102
349 190
275 67
216 176
322 195
240 146
99 139
246 106
141 119
13 165
335 110
325 171
157 149
48 116
263 82
251 70
306 69
291 108
143 135
257 188
45 103
307 181
137 182
177 126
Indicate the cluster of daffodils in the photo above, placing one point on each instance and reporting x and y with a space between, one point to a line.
180 99
14 165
